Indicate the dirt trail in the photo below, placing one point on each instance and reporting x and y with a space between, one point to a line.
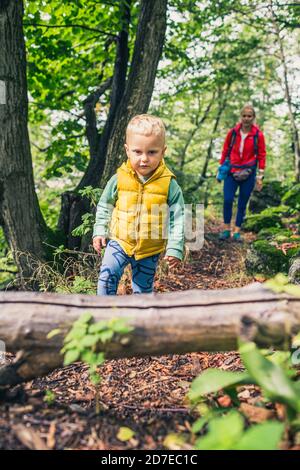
147 395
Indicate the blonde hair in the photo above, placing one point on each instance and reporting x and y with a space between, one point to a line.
146 124
248 106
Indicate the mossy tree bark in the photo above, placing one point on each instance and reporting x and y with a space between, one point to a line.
20 215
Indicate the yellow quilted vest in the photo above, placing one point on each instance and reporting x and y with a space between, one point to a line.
139 219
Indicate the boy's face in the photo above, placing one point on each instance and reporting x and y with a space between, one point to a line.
145 152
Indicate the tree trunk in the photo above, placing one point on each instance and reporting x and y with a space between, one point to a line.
127 99
136 99
176 322
118 83
20 214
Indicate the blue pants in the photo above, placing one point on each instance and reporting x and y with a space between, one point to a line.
230 187
113 264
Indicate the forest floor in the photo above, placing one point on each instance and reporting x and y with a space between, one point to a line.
146 395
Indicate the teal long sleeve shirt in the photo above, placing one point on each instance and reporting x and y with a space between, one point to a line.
175 201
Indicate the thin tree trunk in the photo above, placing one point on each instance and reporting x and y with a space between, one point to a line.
136 99
73 206
97 161
198 123
20 214
176 322
222 105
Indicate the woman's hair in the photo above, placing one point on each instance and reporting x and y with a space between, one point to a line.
146 124
248 106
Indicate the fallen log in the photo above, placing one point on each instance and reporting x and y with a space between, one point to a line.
176 322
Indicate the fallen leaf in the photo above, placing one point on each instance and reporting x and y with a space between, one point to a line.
281 411
125 434
132 374
21 409
84 397
224 401
256 414
244 395
29 437
51 435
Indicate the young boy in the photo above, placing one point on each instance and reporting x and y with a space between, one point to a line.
141 211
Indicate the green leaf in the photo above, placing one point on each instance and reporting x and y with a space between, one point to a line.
88 356
71 356
125 434
223 433
77 332
199 423
174 441
88 341
119 325
97 327
277 283
213 380
84 318
100 358
105 336
73 344
271 377
53 333
95 378
265 436
49 397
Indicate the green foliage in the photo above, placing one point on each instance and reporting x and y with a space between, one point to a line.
272 378
280 283
269 196
262 371
85 338
278 240
292 197
226 428
86 342
71 49
270 217
80 285
70 271
49 397
227 433
274 233
215 58
93 194
125 434
8 267
212 380
50 205
264 257
88 220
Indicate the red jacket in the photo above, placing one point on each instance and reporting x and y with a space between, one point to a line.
247 156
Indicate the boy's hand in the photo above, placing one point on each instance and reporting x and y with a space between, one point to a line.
172 261
99 243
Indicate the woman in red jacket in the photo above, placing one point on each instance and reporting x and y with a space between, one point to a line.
245 147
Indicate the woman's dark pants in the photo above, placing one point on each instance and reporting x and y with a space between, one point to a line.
230 187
